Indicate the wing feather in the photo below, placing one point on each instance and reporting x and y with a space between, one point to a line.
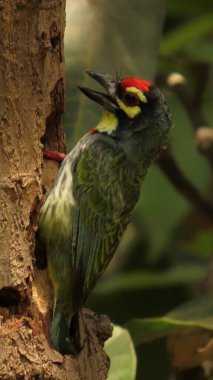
86 213
104 209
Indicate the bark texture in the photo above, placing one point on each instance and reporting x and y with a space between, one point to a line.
31 82
31 105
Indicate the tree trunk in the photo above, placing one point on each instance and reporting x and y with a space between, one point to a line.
32 102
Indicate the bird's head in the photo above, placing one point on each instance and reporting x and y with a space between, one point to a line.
132 107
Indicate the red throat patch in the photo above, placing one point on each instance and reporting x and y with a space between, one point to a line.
141 84
92 131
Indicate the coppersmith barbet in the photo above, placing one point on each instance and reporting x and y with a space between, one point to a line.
94 195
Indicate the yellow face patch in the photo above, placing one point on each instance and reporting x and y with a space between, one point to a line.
108 123
129 111
137 92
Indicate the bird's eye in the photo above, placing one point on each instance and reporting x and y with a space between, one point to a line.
130 99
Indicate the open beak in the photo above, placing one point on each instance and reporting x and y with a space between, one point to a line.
108 100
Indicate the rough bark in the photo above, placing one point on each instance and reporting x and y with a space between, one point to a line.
31 105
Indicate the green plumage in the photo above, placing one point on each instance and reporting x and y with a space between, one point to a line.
82 221
92 201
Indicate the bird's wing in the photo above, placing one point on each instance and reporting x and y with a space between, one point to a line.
105 199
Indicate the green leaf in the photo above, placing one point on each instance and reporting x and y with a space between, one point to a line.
122 355
186 33
196 313
183 274
201 51
198 242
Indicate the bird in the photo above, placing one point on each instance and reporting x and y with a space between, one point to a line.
94 195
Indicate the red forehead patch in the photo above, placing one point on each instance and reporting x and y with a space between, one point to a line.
141 84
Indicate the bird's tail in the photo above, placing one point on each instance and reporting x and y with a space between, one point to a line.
60 332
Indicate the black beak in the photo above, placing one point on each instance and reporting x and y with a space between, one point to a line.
108 100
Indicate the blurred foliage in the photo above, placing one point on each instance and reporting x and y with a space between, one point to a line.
178 275
121 352
164 255
197 313
187 33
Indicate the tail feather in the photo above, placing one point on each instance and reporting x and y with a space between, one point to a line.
60 333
